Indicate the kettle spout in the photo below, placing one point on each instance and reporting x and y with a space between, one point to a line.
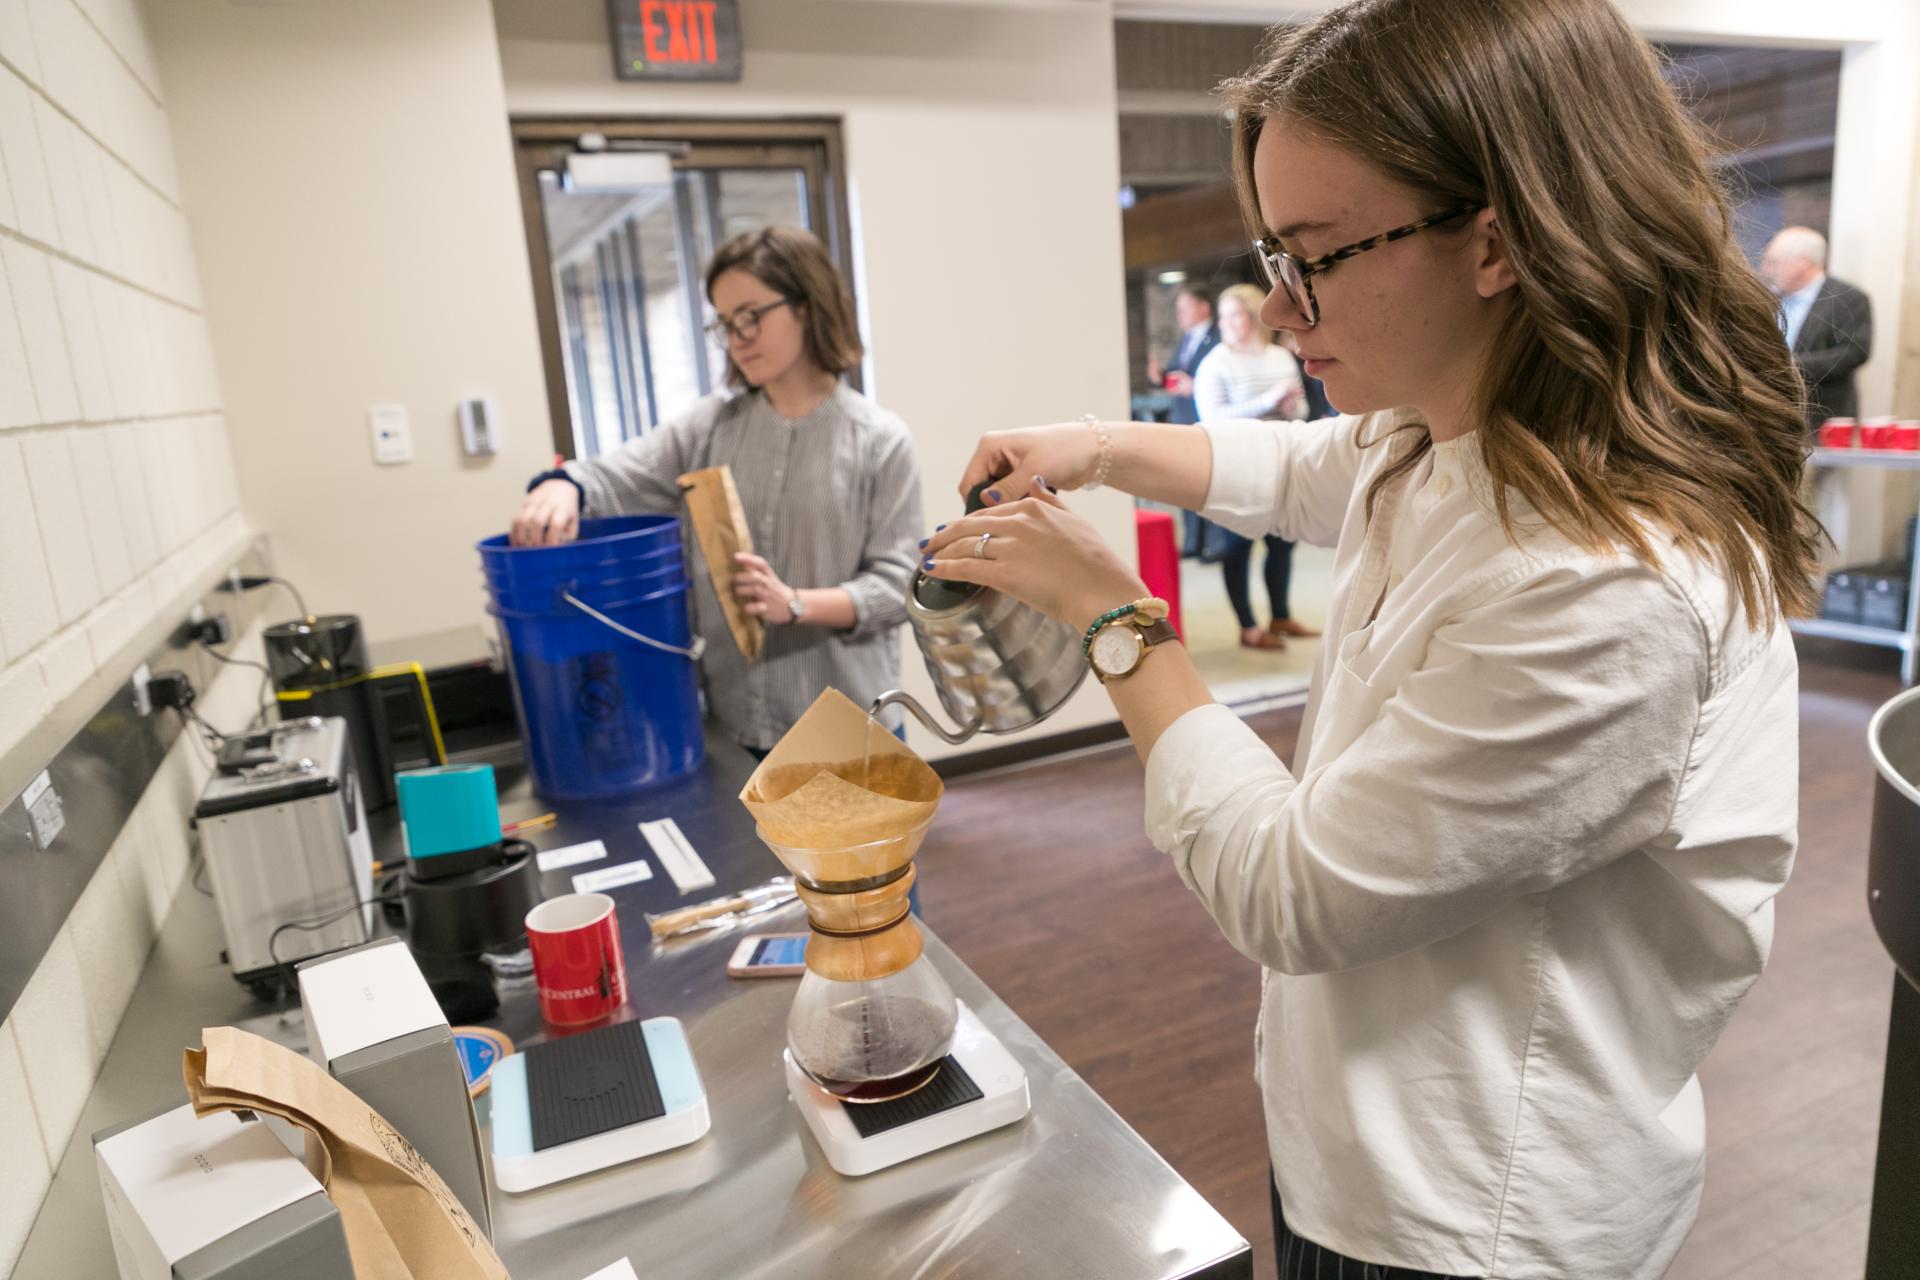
900 697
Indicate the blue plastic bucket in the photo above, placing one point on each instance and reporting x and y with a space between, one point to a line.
598 593
601 712
605 545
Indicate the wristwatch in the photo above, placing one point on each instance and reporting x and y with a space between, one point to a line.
1118 641
796 607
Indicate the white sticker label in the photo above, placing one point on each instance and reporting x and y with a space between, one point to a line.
612 877
36 789
676 854
572 855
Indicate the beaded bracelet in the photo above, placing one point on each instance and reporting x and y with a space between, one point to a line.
1105 464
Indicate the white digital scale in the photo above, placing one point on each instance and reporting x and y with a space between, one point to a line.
1003 1100
519 1166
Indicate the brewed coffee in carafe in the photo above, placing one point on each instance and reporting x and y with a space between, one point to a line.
872 1019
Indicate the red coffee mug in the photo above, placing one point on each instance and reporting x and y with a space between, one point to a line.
577 963
1836 435
1906 436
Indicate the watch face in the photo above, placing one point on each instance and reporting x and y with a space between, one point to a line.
1116 650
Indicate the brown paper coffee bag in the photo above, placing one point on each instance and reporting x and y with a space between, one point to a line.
720 524
402 1222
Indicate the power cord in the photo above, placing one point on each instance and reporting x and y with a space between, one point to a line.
315 923
266 678
247 582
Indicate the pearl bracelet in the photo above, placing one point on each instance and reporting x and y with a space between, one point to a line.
1105 464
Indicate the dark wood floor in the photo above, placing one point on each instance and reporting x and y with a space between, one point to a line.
1042 880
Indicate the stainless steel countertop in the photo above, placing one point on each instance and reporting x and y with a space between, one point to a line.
1072 1191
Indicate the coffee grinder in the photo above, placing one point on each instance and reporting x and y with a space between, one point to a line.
467 891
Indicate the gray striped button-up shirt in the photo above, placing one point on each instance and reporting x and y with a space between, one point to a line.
833 501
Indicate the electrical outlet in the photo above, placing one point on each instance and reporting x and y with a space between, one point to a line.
142 698
46 816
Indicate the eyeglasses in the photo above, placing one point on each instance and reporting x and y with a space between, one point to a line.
1295 274
744 323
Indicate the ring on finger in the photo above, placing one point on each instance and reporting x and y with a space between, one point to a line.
980 547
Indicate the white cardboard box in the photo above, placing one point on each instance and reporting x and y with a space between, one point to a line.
374 1025
194 1199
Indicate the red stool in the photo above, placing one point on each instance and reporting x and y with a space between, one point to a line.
1159 548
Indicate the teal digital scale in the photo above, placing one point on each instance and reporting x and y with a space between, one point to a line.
590 1101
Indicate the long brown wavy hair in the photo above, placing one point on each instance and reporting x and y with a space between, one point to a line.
1642 378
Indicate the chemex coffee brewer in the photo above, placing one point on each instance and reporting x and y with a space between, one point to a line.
882 1060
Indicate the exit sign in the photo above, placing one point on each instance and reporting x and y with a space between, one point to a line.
675 39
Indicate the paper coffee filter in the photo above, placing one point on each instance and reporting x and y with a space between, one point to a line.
808 793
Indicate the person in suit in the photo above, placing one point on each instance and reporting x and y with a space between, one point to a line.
1828 322
1199 334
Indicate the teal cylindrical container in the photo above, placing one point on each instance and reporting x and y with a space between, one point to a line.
448 809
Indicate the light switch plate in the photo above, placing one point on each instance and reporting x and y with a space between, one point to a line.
392 434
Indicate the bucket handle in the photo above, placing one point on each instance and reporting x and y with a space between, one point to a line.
693 653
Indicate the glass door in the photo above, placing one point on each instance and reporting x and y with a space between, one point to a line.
619 273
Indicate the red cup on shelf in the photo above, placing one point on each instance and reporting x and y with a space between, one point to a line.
1878 433
577 963
1836 433
1906 436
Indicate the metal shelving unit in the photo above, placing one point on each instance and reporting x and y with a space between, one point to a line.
1907 641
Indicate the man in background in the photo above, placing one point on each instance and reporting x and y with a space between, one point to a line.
1828 322
1193 312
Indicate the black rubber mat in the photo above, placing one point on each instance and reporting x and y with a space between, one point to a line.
953 1087
591 1083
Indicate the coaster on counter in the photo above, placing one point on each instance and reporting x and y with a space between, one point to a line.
589 1084
479 1049
953 1087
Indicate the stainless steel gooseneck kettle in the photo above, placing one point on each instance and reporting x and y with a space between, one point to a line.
998 665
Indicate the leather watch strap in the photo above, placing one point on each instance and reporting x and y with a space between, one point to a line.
1157 631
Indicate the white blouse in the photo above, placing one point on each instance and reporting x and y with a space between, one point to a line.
1229 385
1517 880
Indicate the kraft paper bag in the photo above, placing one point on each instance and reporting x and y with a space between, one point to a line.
720 524
401 1220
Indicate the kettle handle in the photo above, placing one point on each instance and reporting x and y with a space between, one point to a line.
901 698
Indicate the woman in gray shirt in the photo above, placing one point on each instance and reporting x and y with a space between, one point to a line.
829 482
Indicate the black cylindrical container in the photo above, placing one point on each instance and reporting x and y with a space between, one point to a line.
451 920
308 652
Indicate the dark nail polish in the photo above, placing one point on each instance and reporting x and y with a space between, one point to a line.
993 495
927 563
1040 482
923 541
937 528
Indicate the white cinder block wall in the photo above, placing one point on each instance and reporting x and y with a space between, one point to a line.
117 503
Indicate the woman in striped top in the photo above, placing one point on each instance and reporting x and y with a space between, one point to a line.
829 481
1251 376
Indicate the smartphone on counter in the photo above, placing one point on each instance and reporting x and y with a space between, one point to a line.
769 955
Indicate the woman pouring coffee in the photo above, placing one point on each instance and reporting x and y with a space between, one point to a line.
1521 870
829 481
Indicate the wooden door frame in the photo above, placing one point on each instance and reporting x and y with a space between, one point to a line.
737 143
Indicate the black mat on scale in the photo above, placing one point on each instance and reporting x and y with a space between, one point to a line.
589 1084
953 1087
